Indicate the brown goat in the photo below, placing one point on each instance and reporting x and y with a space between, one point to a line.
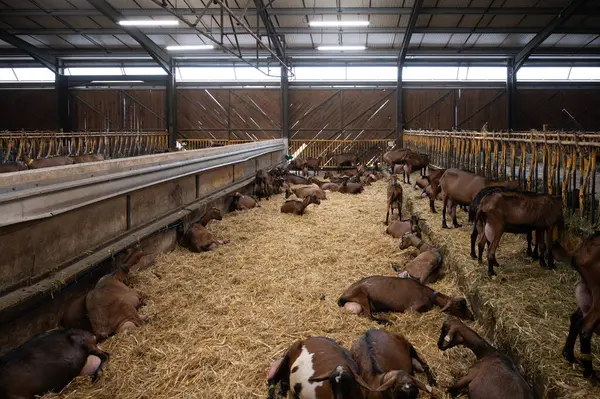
334 179
394 157
460 187
198 238
46 162
299 207
295 179
586 319
12 167
111 307
316 368
244 202
387 361
518 212
314 164
49 362
344 160
427 266
392 294
398 227
493 376
87 158
407 161
303 192
350 188
324 185
263 187
394 196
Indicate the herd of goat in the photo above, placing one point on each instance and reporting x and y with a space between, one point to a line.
380 364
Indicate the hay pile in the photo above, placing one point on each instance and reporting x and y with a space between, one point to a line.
218 319
529 307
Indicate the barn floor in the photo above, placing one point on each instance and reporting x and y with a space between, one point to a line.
218 319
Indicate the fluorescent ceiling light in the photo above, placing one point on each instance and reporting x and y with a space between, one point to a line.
341 48
149 22
327 24
117 81
195 47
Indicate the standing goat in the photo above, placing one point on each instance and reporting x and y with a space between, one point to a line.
394 195
493 376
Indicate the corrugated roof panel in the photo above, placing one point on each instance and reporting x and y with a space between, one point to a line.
457 39
381 39
52 41
128 40
4 44
79 41
103 22
384 3
19 22
296 21
592 21
574 40
453 3
490 39
81 4
80 22
107 40
472 40
415 39
351 39
444 21
120 4
434 40
594 43
54 4
469 21
354 3
575 20
379 21
327 38
398 40
48 22
553 3
26 5
520 3
194 39
535 21
551 40
517 39
422 20
429 3
298 40
404 18
503 21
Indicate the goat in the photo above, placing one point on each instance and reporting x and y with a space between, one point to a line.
350 188
111 307
314 164
460 187
244 202
493 376
295 179
12 167
585 320
87 158
316 368
303 192
478 227
421 182
426 267
197 238
394 196
46 162
407 161
344 160
323 185
334 179
299 207
49 362
398 227
262 185
392 294
387 361
518 212
394 157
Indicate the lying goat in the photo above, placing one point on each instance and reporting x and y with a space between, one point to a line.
350 188
392 294
298 207
198 238
493 376
46 162
315 368
586 319
8 167
518 212
87 158
244 202
303 192
427 266
111 307
398 227
387 361
394 196
49 362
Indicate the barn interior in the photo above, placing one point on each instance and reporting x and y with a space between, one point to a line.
187 101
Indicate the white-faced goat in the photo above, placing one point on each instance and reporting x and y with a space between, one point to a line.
493 376
391 294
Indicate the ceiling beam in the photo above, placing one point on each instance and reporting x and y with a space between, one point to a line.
299 31
48 60
157 53
270 28
533 44
410 28
152 12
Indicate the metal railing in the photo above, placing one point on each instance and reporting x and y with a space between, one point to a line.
558 163
44 144
368 151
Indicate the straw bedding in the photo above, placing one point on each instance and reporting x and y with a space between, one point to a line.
529 307
218 319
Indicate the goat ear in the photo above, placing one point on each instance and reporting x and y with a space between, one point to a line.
390 379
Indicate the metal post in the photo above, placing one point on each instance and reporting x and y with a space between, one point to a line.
171 107
399 109
285 123
511 91
62 101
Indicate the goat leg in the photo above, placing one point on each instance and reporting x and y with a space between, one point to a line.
462 384
445 200
586 358
548 233
567 352
491 253
421 365
104 356
432 203
591 318
539 239
453 213
387 215
474 235
529 239
399 202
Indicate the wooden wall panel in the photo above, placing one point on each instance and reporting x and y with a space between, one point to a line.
428 109
118 109
257 112
28 110
538 107
372 113
203 113
476 107
314 110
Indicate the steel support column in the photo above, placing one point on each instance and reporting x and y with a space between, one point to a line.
285 105
399 109
171 107
511 96
61 85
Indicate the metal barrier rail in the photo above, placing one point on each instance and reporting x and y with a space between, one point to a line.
44 144
196 144
551 162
